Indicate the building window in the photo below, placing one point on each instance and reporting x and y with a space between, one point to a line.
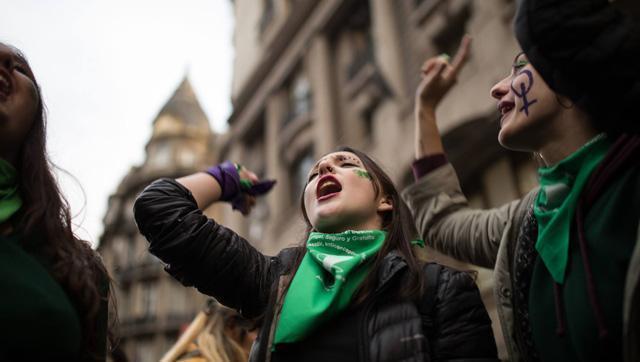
359 37
299 97
119 252
132 253
162 154
268 13
362 53
148 299
187 158
300 172
368 119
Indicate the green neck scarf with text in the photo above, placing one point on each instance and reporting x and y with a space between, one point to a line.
330 272
10 201
554 207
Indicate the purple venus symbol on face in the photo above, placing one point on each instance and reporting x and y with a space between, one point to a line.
525 87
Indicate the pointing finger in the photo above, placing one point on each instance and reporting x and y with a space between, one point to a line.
461 57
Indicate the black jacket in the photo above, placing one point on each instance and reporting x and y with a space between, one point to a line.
201 253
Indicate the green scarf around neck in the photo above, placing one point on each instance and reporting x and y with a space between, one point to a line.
328 276
10 201
554 207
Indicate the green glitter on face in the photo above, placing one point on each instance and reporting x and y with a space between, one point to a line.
520 63
363 174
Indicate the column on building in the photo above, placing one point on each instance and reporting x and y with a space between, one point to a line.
279 198
320 71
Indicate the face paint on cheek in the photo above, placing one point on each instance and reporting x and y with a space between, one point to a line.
521 89
363 174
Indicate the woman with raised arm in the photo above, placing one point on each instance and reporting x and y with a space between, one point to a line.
353 291
55 289
566 256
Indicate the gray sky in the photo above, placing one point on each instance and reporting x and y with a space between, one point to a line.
106 68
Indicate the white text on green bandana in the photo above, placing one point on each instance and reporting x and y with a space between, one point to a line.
330 272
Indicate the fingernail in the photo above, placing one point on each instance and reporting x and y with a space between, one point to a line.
445 57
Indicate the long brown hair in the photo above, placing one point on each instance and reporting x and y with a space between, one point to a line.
46 215
398 223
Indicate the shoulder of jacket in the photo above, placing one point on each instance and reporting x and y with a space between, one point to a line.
453 281
287 257
443 287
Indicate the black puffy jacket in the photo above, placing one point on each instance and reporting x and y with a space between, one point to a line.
201 253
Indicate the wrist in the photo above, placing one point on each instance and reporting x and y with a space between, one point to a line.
227 176
426 111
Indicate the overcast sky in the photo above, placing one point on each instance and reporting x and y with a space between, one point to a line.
106 68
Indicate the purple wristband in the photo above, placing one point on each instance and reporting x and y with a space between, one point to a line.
229 179
232 189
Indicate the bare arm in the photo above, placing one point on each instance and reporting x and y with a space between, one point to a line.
206 190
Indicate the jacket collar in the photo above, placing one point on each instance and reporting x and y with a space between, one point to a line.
391 265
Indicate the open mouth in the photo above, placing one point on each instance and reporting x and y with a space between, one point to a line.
5 85
505 107
328 186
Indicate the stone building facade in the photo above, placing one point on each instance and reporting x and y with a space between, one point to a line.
153 307
311 75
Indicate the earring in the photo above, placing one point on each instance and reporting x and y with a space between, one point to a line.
559 100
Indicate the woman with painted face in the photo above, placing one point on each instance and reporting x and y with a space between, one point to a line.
54 286
354 290
566 255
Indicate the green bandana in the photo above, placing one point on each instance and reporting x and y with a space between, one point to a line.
328 276
10 201
554 207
